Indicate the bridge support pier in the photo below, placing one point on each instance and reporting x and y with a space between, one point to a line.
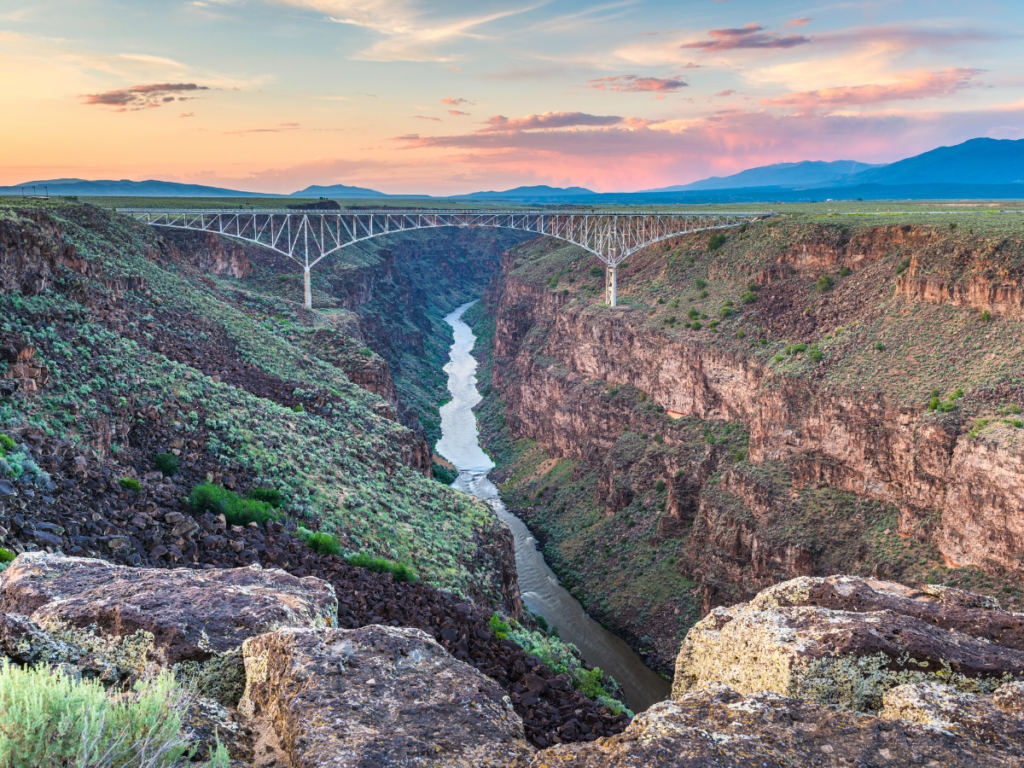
309 289
611 284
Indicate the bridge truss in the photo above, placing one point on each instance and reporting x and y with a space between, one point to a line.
308 237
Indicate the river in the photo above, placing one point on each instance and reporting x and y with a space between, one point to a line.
539 586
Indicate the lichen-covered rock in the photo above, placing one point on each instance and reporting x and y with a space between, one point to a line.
943 707
192 615
716 727
204 723
845 641
379 696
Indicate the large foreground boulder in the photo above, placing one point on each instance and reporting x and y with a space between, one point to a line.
375 696
715 727
191 614
846 641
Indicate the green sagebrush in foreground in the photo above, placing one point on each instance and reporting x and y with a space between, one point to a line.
49 719
236 510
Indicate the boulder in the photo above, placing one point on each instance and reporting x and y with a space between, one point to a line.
715 727
845 641
192 615
378 695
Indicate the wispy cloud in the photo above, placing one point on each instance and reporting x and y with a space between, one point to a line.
424 117
636 84
547 121
455 102
748 36
457 113
279 128
912 85
143 96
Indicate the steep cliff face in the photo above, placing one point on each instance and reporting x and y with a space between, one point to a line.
830 388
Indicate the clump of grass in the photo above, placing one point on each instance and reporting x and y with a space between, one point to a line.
53 720
130 484
218 500
398 571
167 463
271 496
323 543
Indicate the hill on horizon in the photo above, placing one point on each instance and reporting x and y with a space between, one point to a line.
805 173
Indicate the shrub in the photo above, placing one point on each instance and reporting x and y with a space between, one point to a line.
398 571
323 543
879 346
952 226
661 300
816 354
443 474
6 555
725 312
659 486
50 719
271 496
740 333
779 358
696 326
6 443
700 283
986 317
499 628
130 484
693 314
934 404
717 241
902 266
743 227
298 408
957 394
596 272
218 500
825 283
798 348
845 272
702 295
167 463
366 352
749 297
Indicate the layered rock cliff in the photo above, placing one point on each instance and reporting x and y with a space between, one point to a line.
748 419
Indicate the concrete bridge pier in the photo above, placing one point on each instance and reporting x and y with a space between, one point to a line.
611 284
309 289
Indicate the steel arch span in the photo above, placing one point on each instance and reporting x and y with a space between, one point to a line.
308 237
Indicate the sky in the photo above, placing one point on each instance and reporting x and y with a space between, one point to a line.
444 97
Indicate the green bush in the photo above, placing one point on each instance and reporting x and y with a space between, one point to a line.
443 474
935 402
696 326
825 283
218 500
51 720
879 346
749 297
130 484
7 443
703 294
693 314
957 394
816 354
399 571
596 272
986 317
167 463
700 283
499 628
725 312
323 543
740 333
845 272
271 496
798 348
659 486
6 555
717 241
902 266
298 408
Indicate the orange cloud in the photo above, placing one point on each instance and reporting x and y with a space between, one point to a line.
636 84
457 113
913 85
424 117
454 102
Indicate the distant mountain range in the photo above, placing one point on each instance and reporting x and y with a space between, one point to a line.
975 169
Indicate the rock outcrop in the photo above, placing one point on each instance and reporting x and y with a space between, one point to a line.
375 696
846 641
191 614
716 727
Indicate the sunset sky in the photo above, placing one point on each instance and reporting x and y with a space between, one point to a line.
439 97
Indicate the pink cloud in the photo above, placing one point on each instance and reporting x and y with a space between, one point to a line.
636 84
913 85
801 22
454 102
457 113
547 121
747 36
723 94
187 114
423 117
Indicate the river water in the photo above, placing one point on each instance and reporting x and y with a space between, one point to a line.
539 586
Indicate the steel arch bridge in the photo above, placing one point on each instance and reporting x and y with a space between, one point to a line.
308 237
